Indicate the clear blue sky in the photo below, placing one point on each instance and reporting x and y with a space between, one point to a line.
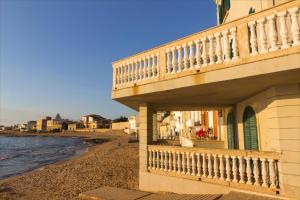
56 55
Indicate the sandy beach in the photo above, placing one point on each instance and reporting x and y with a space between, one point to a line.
112 163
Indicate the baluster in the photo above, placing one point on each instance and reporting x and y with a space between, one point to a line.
283 30
144 68
183 163
157 65
161 161
211 50
123 74
119 76
253 38
204 165
180 61
234 169
178 163
295 26
169 64
188 166
150 160
242 169
152 73
127 73
264 173
272 32
185 57
198 164
140 69
235 49
204 51
132 71
256 171
198 53
222 169
218 48
228 174
174 161
135 71
153 159
157 160
170 161
209 166
272 174
216 166
191 57
249 171
262 35
166 161
193 164
226 47
174 60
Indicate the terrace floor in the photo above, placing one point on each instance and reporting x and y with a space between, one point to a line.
110 193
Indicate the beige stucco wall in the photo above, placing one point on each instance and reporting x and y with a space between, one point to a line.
120 125
278 123
240 8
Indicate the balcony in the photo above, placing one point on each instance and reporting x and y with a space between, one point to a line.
257 51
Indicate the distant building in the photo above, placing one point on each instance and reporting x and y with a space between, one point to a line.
95 121
73 126
31 125
2 128
54 125
22 127
41 124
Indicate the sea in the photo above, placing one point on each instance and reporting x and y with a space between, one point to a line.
22 154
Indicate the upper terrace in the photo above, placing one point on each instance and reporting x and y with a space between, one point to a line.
256 51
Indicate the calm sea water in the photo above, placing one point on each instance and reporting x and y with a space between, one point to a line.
21 154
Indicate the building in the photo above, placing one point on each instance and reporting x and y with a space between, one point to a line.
31 125
54 125
248 69
41 124
93 121
21 127
73 126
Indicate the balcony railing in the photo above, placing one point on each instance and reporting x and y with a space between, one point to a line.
234 168
245 40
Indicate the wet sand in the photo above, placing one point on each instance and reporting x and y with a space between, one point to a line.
112 163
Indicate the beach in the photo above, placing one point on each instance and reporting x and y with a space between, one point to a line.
110 161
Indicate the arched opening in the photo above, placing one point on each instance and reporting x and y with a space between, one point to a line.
250 129
231 136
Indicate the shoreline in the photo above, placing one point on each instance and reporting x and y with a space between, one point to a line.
110 163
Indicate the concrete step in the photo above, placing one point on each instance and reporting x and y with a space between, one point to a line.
110 193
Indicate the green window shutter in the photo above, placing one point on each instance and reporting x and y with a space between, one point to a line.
220 14
250 129
227 4
231 131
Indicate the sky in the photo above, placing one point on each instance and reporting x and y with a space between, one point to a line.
56 55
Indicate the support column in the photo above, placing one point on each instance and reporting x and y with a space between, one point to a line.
145 136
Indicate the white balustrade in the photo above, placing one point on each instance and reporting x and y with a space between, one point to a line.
278 36
274 31
240 169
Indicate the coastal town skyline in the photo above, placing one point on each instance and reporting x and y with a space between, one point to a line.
47 36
